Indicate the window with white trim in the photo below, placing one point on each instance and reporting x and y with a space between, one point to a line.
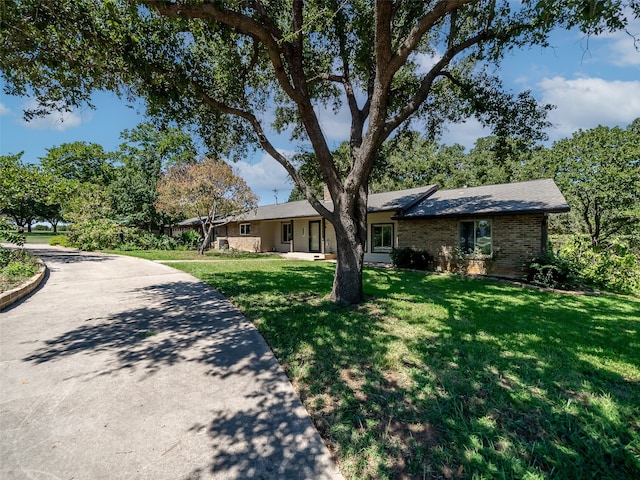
381 238
475 237
245 229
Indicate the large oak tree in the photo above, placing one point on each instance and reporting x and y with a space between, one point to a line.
232 68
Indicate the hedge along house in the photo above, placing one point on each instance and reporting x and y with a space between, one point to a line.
492 229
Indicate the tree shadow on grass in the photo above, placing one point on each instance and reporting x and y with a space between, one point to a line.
521 381
265 435
491 380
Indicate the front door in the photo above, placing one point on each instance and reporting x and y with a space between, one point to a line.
314 236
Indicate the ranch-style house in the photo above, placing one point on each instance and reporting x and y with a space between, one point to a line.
494 228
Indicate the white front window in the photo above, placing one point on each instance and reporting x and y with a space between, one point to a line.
382 238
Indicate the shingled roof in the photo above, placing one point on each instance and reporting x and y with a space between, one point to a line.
508 198
423 202
398 200
378 202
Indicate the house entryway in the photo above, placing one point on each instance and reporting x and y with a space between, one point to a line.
314 236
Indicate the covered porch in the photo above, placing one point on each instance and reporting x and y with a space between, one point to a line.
307 237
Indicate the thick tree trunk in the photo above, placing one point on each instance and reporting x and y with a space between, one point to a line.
351 234
347 282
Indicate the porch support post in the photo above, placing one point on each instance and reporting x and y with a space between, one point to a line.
291 246
323 225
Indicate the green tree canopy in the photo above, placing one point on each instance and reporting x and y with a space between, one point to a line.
598 170
80 161
146 152
230 68
23 190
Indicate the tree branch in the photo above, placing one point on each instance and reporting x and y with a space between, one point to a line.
293 83
437 13
266 33
266 145
427 82
357 116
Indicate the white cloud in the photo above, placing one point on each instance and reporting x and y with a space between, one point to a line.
587 102
58 120
264 176
4 110
623 51
621 48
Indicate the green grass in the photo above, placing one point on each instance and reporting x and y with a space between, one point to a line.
439 376
190 255
16 266
40 237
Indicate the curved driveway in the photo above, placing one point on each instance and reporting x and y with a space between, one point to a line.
120 368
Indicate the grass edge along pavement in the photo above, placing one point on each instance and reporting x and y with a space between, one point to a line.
24 288
439 376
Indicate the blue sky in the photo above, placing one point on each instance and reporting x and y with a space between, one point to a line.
592 82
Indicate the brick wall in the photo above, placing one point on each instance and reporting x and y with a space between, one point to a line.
516 239
245 243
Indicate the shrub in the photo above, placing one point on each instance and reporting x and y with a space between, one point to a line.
59 240
458 261
16 270
104 234
5 257
409 258
98 234
190 239
552 271
578 265
613 267
164 242
16 266
10 233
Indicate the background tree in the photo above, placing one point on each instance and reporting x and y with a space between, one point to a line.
209 190
9 175
598 170
67 168
79 161
54 206
23 190
412 160
408 160
147 150
220 65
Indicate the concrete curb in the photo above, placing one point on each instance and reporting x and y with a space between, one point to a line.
24 289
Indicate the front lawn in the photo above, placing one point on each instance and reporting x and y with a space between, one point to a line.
439 376
173 255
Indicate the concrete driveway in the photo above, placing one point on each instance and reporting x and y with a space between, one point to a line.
120 368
